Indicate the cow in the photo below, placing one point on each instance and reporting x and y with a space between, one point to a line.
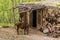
22 25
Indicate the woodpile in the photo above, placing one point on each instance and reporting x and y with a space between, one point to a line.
52 22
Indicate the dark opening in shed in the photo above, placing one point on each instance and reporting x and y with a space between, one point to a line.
34 18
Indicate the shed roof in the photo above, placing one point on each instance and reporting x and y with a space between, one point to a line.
33 5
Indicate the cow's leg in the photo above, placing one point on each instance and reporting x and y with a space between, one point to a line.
18 30
24 31
27 30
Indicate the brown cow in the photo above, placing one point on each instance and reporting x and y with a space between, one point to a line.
22 25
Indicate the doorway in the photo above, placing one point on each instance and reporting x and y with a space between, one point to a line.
34 18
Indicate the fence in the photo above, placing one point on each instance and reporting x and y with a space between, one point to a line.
8 15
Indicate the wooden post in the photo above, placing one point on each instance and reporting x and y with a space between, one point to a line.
41 17
38 18
30 18
26 17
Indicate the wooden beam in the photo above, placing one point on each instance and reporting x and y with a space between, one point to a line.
26 17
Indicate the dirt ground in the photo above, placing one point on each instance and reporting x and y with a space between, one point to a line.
10 34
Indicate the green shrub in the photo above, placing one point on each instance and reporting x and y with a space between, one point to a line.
58 4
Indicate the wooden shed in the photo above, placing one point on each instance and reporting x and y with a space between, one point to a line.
34 14
39 16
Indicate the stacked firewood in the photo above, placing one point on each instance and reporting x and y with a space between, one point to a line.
51 23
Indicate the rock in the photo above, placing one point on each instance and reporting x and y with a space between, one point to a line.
0 26
46 30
